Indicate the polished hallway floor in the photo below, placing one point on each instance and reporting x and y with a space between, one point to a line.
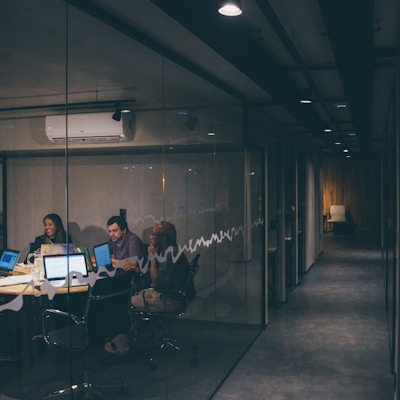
330 340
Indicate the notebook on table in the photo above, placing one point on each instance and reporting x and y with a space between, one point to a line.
58 266
102 256
8 261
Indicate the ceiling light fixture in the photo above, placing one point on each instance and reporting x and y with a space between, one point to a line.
88 107
328 130
230 8
306 97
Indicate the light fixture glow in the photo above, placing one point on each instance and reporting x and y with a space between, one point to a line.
211 133
328 130
341 105
230 8
345 151
306 97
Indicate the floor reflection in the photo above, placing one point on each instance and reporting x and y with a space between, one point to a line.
208 352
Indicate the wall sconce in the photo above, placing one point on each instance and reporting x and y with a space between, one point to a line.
230 8
117 114
191 123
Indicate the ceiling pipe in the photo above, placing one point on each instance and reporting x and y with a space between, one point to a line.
272 18
353 50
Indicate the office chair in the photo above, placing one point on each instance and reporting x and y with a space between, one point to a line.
337 215
71 332
166 342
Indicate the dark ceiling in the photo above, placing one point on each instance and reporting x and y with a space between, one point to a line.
339 52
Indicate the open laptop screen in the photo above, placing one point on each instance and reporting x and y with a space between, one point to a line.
57 248
8 260
57 266
102 255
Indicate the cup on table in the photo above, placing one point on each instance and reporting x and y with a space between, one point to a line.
35 271
35 261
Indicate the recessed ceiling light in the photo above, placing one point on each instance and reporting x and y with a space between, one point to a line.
341 105
230 8
337 143
328 130
352 134
211 133
345 151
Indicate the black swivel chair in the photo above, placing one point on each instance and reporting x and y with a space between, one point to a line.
71 332
164 317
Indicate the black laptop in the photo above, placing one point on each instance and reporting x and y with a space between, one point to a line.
7 262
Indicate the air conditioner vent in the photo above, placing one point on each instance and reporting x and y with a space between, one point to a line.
90 128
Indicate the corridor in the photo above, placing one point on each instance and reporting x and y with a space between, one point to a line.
330 340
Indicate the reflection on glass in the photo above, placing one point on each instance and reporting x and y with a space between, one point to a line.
208 186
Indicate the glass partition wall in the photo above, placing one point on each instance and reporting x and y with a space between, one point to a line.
184 163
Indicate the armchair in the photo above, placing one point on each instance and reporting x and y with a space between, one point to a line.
337 215
165 342
71 332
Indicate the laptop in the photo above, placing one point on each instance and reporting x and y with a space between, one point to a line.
57 248
7 262
57 266
102 256
89 264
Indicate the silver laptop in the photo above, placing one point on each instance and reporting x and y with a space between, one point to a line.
57 248
58 266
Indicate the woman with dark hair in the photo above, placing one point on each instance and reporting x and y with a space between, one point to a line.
54 232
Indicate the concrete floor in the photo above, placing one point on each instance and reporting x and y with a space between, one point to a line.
330 340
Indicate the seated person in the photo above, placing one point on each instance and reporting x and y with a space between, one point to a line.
54 232
167 278
123 244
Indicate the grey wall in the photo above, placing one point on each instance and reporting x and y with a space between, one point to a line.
202 194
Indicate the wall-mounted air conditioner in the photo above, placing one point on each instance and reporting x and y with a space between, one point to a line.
93 127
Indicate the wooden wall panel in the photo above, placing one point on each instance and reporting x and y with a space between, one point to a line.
354 182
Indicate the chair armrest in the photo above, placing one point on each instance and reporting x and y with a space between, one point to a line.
174 295
64 329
